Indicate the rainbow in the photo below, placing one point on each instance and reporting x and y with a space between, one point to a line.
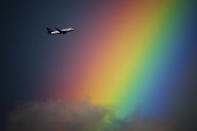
129 58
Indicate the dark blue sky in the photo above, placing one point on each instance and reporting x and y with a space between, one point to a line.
27 49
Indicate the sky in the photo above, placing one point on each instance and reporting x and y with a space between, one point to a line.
127 63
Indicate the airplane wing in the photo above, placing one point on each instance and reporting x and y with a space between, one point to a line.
58 30
55 32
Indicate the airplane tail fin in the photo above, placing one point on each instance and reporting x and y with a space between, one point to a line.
49 30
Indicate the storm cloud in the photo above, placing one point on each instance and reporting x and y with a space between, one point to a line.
78 116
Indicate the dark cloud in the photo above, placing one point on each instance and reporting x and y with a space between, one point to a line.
78 116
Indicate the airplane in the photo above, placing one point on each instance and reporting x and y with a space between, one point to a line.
59 31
